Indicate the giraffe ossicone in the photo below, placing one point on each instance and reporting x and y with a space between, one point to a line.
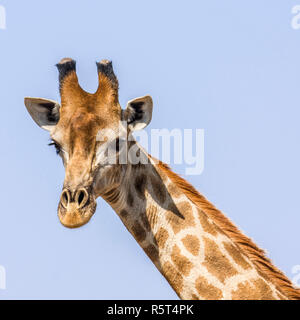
197 249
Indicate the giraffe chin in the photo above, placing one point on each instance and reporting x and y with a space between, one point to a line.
72 217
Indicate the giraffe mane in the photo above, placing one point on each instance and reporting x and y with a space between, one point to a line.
248 247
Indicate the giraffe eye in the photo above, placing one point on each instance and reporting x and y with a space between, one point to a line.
56 145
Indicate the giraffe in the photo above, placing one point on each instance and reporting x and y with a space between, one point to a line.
199 251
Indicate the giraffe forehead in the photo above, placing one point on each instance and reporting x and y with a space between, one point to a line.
89 110
86 122
83 125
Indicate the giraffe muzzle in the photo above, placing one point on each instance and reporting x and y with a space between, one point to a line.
76 207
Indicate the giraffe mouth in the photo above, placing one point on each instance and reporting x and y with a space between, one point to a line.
73 216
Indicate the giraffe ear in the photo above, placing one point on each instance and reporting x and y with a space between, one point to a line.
138 113
44 112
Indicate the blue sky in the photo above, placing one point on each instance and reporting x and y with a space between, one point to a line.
228 67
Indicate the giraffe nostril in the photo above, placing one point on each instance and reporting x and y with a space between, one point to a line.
81 197
65 198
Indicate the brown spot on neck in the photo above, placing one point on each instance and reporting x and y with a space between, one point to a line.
161 237
124 213
173 276
207 291
183 264
192 244
206 224
216 263
140 185
253 290
236 255
130 199
145 221
138 232
152 253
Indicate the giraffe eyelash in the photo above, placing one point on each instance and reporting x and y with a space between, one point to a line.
56 145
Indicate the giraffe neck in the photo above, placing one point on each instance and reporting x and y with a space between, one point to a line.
195 256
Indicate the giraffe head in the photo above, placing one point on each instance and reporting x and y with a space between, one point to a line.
84 129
